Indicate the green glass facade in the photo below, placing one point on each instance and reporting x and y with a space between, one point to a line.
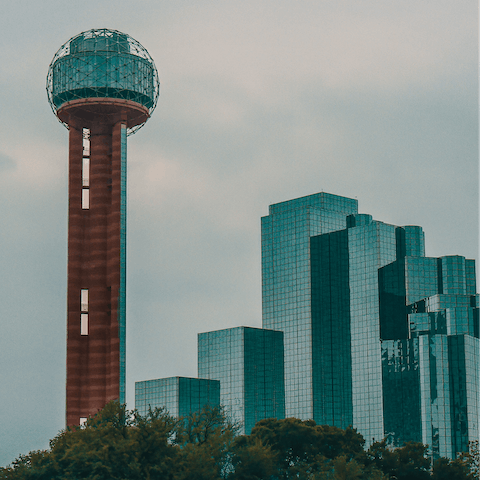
440 317
331 330
360 328
347 367
286 284
401 388
431 391
180 396
377 335
248 362
103 64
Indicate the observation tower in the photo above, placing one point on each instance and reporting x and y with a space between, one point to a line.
102 85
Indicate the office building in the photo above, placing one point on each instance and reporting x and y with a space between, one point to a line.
102 85
347 367
286 284
431 371
377 335
248 362
180 396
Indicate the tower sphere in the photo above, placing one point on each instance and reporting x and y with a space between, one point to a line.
102 73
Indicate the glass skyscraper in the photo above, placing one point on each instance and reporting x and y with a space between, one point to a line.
248 362
180 396
436 357
347 366
286 284
377 335
360 328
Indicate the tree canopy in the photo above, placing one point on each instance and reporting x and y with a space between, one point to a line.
117 444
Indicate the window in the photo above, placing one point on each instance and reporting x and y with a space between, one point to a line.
83 420
85 198
86 172
86 142
86 169
84 300
84 324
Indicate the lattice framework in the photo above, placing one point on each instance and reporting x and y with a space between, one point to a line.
102 63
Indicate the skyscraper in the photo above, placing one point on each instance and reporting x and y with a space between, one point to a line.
248 362
377 335
286 284
430 356
103 85
347 368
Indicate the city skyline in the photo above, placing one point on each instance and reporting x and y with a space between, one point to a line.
257 105
362 330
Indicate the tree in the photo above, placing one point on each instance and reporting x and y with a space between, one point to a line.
472 459
445 469
206 440
252 460
303 449
114 444
409 462
117 444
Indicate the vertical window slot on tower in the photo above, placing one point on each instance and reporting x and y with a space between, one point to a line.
84 300
86 142
86 169
84 308
86 172
84 324
85 198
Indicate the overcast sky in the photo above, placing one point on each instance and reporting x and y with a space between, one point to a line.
261 101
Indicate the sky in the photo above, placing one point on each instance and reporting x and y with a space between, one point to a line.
260 101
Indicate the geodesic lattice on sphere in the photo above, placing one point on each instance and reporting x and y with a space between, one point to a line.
102 64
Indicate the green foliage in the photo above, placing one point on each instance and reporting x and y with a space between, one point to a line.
119 445
206 440
112 445
305 450
445 469
297 441
409 462
252 460
471 459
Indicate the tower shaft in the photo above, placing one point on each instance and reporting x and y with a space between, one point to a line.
96 269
